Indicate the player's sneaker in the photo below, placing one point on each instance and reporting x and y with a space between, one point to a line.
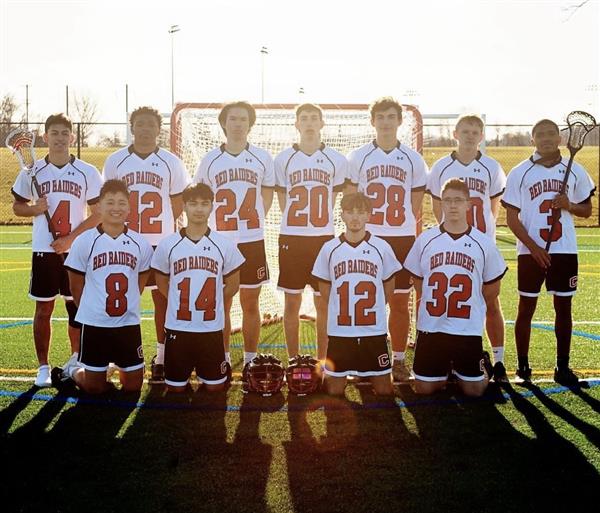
400 372
499 371
71 365
157 370
62 381
565 377
487 365
43 379
523 375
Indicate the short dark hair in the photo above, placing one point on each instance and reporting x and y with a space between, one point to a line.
356 200
197 190
456 184
544 122
113 186
385 103
237 105
472 119
140 111
308 107
58 119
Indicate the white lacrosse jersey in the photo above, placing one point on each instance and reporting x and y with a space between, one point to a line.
530 189
389 178
309 182
151 181
196 270
111 294
356 273
236 181
454 269
68 189
485 179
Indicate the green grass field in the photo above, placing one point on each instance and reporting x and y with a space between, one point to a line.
516 449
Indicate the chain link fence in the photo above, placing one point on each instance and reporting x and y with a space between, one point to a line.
509 144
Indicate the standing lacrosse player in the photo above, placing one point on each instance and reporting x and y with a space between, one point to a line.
56 193
356 279
242 179
308 177
533 200
394 176
155 179
486 180
198 271
108 268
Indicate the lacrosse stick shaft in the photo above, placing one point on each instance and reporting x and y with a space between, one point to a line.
36 186
556 211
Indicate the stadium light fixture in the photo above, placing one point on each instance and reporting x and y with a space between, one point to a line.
172 30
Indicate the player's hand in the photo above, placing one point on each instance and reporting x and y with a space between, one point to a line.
62 244
541 256
40 206
561 201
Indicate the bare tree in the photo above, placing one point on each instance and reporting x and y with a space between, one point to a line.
8 112
87 112
111 141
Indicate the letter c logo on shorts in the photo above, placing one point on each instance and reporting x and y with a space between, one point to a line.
261 273
384 360
140 352
573 282
223 368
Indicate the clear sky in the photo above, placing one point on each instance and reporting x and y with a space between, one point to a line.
515 61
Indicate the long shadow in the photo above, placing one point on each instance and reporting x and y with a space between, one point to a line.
585 396
9 414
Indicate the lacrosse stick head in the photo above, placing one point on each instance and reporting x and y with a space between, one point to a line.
579 125
21 142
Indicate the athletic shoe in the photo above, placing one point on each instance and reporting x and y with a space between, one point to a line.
43 379
61 380
487 365
400 372
157 370
500 373
71 365
565 377
523 375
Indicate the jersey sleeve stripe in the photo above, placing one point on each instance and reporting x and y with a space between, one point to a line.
589 198
172 249
166 164
413 274
319 278
210 165
126 157
289 160
334 168
499 277
433 195
486 168
217 246
365 158
93 201
508 205
499 194
92 246
73 270
82 174
176 195
479 245
525 174
334 250
376 249
418 189
442 172
258 158
233 271
412 166
18 198
134 241
159 271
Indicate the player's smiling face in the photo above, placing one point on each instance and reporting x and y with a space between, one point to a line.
309 123
468 135
237 124
455 205
114 208
198 210
546 139
386 122
355 219
58 138
145 129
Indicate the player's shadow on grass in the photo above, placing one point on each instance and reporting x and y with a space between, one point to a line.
10 413
585 396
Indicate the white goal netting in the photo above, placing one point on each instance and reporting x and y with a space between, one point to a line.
195 131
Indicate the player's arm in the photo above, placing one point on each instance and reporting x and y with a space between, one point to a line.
540 255
577 209
143 279
436 204
388 288
177 205
490 292
63 244
162 283
416 198
281 198
267 198
231 285
76 283
495 206
325 290
22 208
418 284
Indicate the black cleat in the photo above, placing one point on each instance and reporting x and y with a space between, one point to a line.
565 377
523 375
61 381
157 371
500 373
487 364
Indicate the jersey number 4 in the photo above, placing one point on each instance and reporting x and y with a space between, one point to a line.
61 219
361 316
225 217
450 305
205 302
145 212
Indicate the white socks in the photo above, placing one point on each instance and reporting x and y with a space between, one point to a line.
399 356
498 353
248 356
160 353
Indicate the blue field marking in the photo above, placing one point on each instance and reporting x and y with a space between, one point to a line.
15 324
344 405
546 327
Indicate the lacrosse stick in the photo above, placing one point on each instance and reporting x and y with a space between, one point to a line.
579 124
21 142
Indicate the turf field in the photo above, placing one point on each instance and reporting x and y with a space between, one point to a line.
516 449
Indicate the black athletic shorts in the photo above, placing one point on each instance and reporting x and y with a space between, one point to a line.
401 247
186 351
560 277
121 345
254 271
297 255
437 353
49 278
357 356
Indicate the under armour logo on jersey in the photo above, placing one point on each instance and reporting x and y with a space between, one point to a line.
477 170
366 251
467 244
206 248
248 160
155 164
320 161
125 242
70 173
399 158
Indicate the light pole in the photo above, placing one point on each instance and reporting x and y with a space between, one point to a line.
172 30
263 51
